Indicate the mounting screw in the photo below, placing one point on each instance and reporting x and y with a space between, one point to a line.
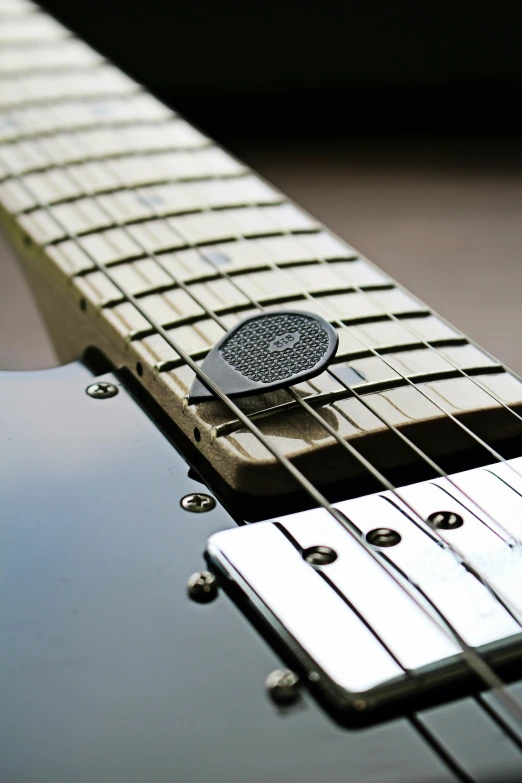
202 587
445 520
383 536
102 390
319 555
198 502
283 686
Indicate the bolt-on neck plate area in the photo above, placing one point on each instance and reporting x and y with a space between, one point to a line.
374 604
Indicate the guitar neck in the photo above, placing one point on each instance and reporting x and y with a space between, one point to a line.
143 238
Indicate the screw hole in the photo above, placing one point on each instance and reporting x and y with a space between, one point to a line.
27 241
197 435
139 368
83 305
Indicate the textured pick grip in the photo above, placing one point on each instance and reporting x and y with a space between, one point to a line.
266 352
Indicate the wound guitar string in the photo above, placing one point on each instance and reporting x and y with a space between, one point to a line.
473 659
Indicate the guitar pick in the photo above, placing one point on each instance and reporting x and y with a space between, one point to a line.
266 352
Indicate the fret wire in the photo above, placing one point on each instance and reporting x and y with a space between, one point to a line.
182 212
324 398
440 342
114 190
473 659
99 158
194 245
129 156
57 101
48 70
115 125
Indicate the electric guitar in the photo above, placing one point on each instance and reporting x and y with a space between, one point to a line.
321 580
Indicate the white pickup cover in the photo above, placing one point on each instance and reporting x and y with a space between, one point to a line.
369 632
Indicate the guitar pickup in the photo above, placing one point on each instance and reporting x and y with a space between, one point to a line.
364 627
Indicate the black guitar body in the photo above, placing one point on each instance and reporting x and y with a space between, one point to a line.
110 673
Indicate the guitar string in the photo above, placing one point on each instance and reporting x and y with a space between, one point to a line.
500 719
299 400
423 341
419 340
444 753
320 420
420 523
305 294
478 664
388 424
322 260
472 658
221 323
218 320
309 296
493 711
390 316
466 777
105 271
429 738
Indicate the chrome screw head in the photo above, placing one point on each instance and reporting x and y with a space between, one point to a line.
202 587
319 555
383 536
445 520
283 686
198 502
101 390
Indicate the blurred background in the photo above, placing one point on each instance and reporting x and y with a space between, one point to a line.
397 124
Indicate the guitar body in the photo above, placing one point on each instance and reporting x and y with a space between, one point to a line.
145 244
109 672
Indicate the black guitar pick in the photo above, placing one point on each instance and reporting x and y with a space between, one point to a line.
266 352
